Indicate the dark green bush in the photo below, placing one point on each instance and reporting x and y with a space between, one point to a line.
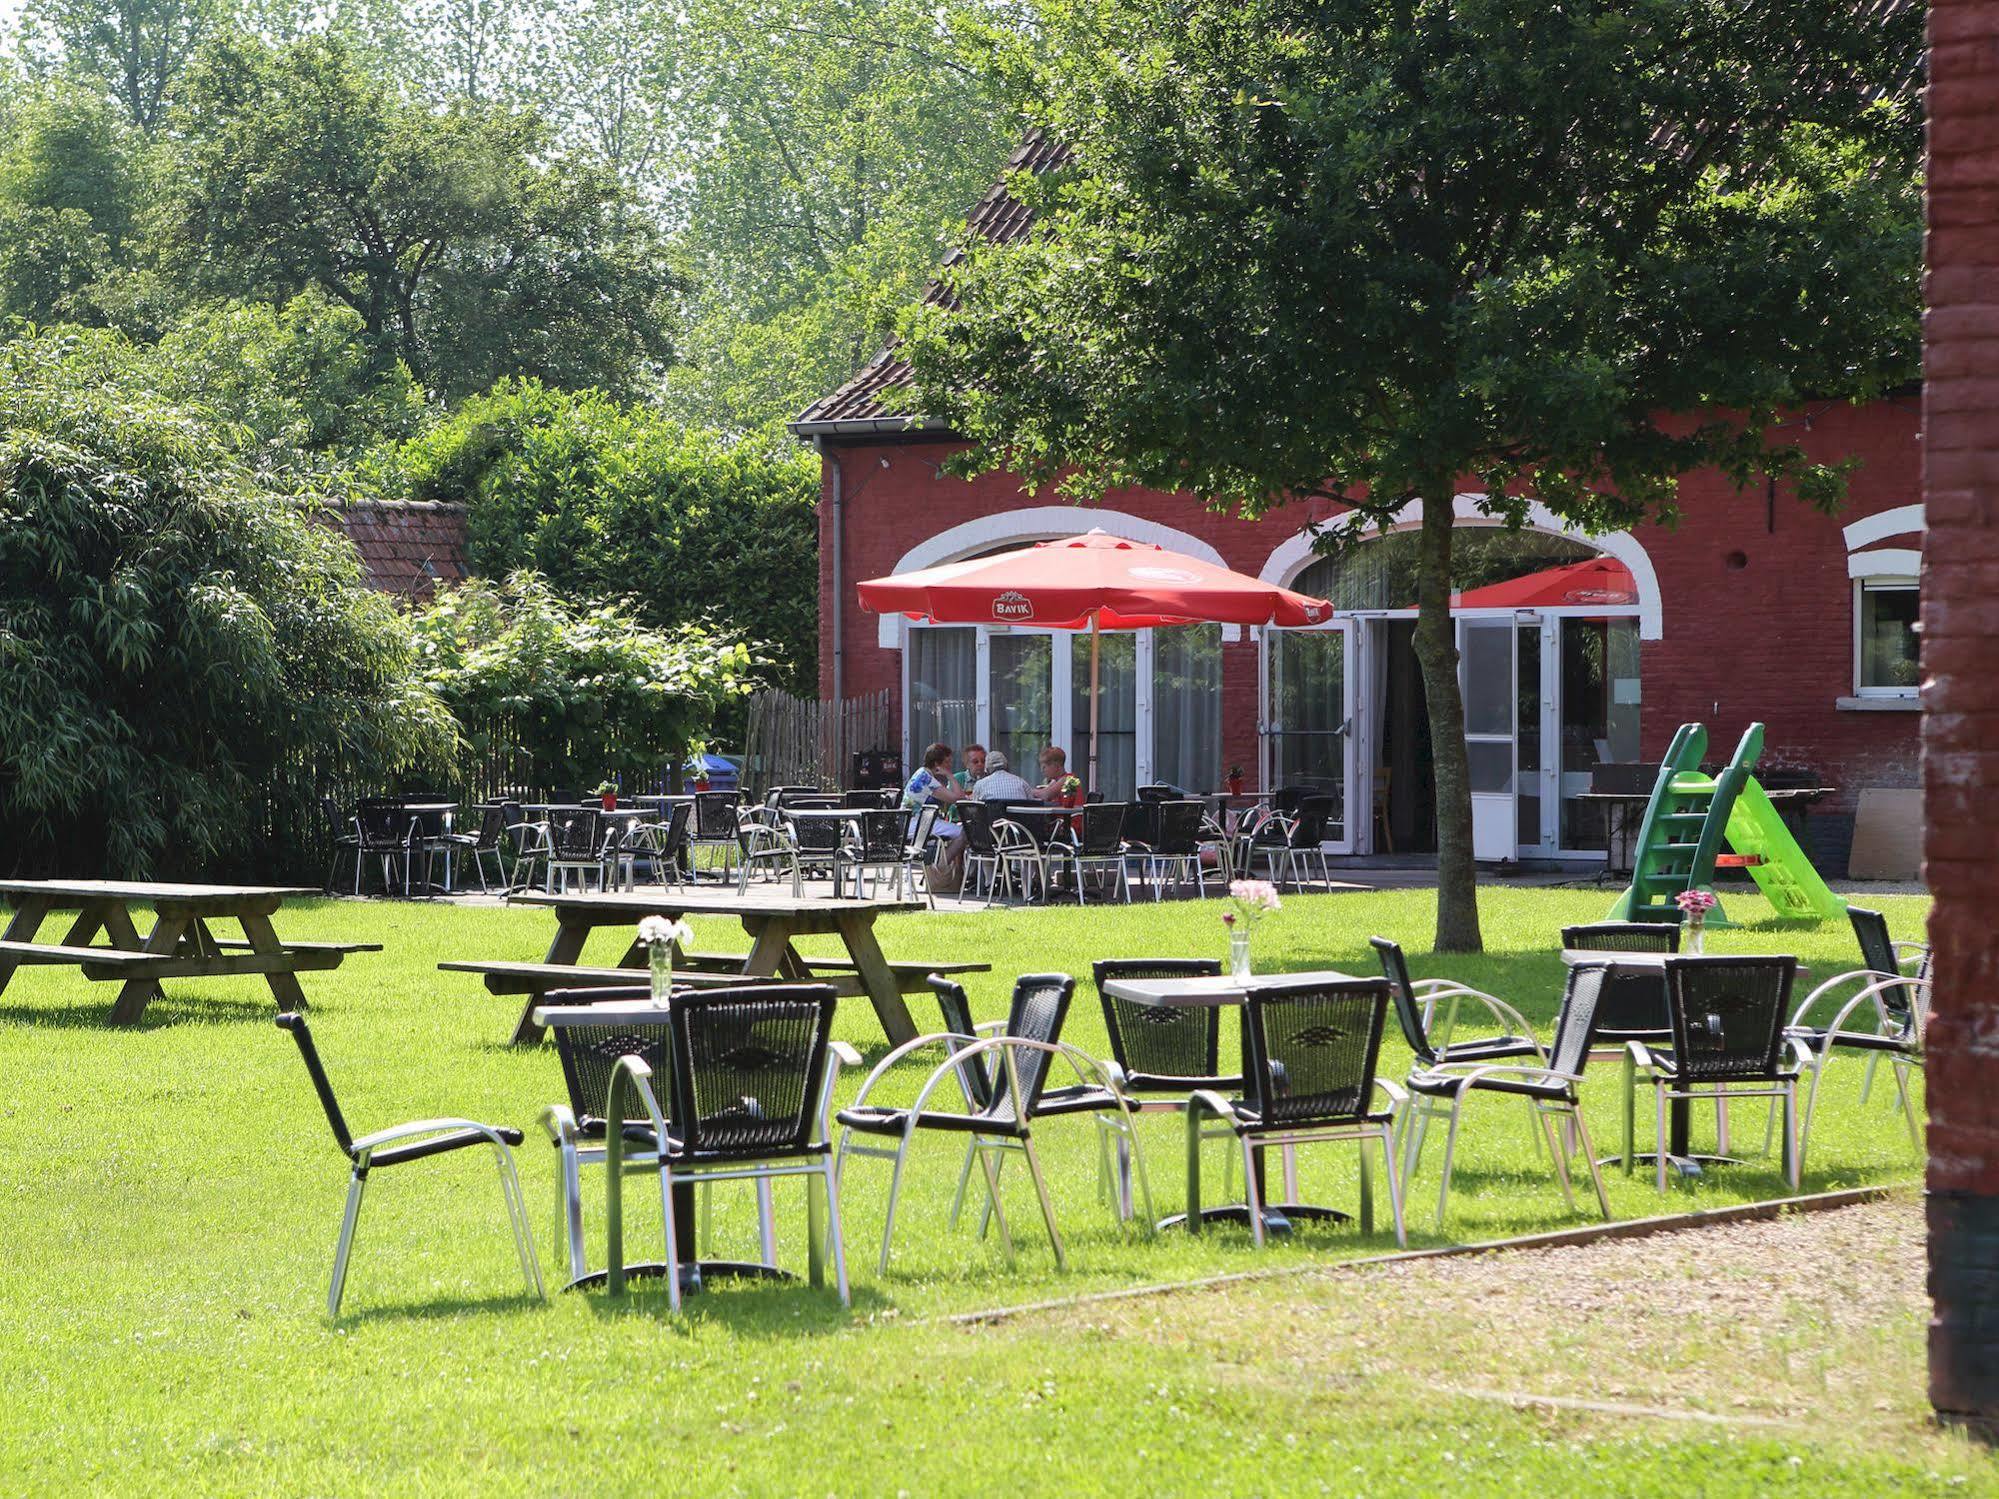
612 501
187 659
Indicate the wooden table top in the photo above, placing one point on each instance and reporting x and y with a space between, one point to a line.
1205 993
637 903
150 891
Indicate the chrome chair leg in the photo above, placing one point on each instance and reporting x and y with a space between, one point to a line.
1047 1206
1251 1196
1589 1159
1394 1189
833 1228
357 1185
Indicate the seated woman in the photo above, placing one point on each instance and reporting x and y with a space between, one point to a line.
933 782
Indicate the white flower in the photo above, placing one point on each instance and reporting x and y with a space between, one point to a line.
656 931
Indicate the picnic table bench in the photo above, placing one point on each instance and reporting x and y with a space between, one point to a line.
180 944
772 921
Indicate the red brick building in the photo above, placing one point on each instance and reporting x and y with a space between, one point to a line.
1961 719
1753 608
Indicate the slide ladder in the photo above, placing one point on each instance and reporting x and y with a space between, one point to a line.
1689 817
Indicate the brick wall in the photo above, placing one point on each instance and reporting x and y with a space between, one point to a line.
1757 603
1961 722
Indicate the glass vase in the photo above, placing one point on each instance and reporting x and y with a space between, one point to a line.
1239 956
1696 936
662 973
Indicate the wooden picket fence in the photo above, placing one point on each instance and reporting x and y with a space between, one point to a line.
797 741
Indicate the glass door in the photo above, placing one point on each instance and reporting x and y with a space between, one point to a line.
1310 711
1020 698
1117 712
1486 651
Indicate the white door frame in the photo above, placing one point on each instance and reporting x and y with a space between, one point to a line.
1267 729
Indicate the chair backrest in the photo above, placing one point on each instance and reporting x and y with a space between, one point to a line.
1161 1047
492 826
1575 1026
513 813
1103 830
1093 798
565 796
432 822
881 834
590 1053
1179 827
1141 823
678 815
1309 828
1309 1048
1633 1003
1728 1015
919 836
381 819
819 837
1288 799
294 1022
715 814
1158 793
976 818
1402 989
956 1008
876 798
1877 948
1040 1005
747 1068
577 834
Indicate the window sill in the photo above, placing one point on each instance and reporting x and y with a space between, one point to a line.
1880 705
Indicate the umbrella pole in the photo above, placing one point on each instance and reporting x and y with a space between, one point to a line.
1096 739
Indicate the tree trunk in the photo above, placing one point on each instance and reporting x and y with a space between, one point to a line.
1437 654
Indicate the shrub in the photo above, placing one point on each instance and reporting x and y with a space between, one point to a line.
612 501
186 658
547 693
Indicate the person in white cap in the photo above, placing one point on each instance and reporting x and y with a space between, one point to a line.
999 784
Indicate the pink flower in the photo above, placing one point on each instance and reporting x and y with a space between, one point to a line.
1228 918
1696 903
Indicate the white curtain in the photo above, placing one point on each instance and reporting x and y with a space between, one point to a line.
1187 707
943 691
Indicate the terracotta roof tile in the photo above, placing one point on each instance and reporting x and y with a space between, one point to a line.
407 547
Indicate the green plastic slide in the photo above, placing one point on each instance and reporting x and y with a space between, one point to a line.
1786 876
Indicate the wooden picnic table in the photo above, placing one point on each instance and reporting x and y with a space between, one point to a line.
180 943
773 921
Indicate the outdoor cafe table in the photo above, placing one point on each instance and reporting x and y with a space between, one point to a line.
773 921
1680 1127
1212 993
180 943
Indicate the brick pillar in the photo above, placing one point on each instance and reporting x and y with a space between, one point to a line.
1961 720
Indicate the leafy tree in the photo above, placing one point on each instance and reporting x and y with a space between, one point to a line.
847 138
136 51
610 501
548 692
310 390
69 193
467 249
1378 249
186 658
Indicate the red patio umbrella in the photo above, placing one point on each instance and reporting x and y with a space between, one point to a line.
1596 580
1095 579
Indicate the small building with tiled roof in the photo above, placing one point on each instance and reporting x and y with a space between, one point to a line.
1753 608
408 548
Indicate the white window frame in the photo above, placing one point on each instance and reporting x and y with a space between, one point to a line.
1880 571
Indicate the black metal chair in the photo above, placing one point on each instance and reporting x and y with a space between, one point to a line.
875 844
1888 994
1440 1090
1016 1093
1289 840
1099 846
660 844
532 843
1177 845
916 854
1433 1039
384 835
415 1141
344 834
884 797
1310 1049
982 853
578 843
717 827
477 847
1633 1004
1160 1054
1728 1016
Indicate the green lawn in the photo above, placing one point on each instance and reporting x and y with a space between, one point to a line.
173 1196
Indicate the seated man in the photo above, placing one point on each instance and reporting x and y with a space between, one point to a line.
934 783
999 784
975 766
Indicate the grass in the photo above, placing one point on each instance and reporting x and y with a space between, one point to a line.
172 1195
